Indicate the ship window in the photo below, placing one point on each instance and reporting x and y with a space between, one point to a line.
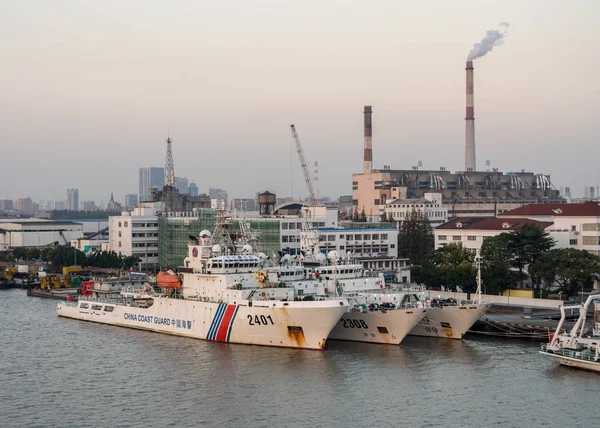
96 307
84 306
109 308
382 330
295 329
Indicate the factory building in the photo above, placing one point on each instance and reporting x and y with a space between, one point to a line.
468 193
38 233
398 210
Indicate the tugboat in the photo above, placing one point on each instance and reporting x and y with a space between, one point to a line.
222 293
580 347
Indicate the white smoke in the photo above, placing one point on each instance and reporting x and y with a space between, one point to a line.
492 38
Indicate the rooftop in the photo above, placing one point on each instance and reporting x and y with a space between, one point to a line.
492 223
586 209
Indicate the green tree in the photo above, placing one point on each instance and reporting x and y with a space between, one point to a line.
363 216
527 244
497 257
450 266
573 270
415 238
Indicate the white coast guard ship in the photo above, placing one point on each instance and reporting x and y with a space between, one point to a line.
581 346
221 297
363 322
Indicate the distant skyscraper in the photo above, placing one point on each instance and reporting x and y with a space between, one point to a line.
6 204
87 206
150 178
565 192
131 200
193 189
214 193
73 199
589 192
182 185
25 205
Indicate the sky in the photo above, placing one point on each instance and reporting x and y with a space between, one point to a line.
91 89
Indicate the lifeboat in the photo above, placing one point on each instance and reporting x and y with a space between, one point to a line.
168 280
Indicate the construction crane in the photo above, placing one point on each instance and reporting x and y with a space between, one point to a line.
309 182
311 237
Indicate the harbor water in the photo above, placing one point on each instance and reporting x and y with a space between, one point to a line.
62 372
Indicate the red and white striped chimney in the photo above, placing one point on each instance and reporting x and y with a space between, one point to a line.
368 140
470 122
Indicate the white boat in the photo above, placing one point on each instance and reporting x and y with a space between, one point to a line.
363 322
223 297
581 346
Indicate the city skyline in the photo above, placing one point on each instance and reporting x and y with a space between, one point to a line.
95 89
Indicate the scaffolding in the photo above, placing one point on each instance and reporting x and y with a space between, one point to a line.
174 234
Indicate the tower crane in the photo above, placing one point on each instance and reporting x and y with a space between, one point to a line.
309 182
311 239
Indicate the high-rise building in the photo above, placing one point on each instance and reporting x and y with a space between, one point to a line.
87 206
6 205
193 189
214 193
73 199
25 205
182 185
150 178
589 193
131 200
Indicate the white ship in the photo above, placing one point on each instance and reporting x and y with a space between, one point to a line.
580 347
363 322
220 297
445 318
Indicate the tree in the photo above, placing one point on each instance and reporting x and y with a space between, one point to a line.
497 257
415 238
363 216
573 270
527 244
450 266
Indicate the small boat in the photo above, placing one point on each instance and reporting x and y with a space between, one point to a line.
581 346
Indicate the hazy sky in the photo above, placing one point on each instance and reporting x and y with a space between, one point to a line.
89 89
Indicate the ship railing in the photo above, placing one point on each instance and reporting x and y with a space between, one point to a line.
586 354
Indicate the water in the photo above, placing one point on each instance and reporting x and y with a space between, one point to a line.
61 372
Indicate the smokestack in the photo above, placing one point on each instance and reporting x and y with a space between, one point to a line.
368 140
470 122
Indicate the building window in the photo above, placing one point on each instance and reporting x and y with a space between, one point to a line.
376 202
331 238
442 238
367 237
119 244
471 238
284 225
298 225
358 237
384 236
284 239
572 241
392 246
119 233
573 228
341 247
292 225
591 240
456 238
119 224
341 236
126 224
375 236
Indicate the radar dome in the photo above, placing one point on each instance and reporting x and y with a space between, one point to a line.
321 257
205 234
262 256
332 255
216 249
247 249
286 259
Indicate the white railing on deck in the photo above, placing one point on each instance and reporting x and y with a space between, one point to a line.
497 300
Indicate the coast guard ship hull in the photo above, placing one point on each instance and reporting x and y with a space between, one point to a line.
269 323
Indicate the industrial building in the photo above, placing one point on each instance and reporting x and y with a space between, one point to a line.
399 210
38 233
135 233
470 192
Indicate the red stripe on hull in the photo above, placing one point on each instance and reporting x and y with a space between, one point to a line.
222 333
